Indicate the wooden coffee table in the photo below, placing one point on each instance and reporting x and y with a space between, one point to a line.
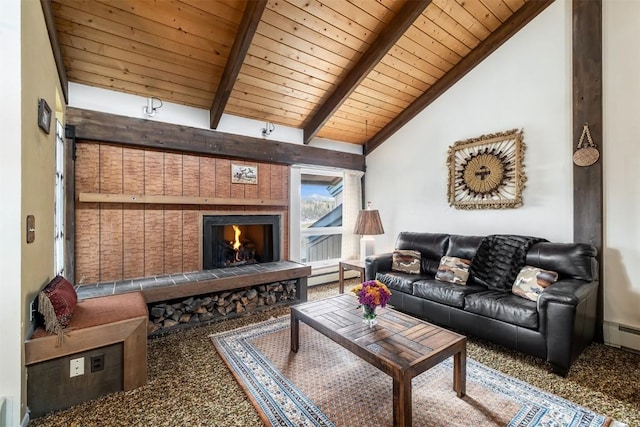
399 345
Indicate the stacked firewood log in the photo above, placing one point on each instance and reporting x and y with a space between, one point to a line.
168 316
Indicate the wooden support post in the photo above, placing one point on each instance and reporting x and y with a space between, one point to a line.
587 108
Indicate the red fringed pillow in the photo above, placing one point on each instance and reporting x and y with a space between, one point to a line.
56 303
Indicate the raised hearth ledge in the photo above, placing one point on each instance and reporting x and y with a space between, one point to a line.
171 286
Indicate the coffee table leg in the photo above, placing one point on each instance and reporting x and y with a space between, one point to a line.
460 372
402 416
295 327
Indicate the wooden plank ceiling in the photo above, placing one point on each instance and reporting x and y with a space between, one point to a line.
343 70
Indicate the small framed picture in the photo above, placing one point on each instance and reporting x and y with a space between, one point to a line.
44 115
243 174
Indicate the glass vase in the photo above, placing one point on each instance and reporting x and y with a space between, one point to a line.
369 315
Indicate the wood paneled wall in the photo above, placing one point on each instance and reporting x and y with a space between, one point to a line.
117 241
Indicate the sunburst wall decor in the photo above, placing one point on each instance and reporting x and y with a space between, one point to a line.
487 172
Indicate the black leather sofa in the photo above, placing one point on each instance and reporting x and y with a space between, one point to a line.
556 328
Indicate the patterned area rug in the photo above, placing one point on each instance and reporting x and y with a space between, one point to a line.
325 385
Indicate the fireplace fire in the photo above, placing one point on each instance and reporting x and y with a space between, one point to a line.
239 251
234 240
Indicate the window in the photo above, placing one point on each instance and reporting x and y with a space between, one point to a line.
320 216
323 210
315 227
58 249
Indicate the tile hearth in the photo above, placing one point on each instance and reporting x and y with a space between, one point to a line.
191 283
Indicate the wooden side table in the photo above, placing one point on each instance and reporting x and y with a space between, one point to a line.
355 265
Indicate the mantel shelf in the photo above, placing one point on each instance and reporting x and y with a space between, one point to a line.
176 200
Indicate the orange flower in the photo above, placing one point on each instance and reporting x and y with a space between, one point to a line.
372 293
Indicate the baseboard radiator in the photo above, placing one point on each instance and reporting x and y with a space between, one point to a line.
622 336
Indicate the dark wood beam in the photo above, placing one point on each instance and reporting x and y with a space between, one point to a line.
55 47
511 26
388 37
250 20
105 127
69 204
587 108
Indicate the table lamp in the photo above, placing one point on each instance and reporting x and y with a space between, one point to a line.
368 224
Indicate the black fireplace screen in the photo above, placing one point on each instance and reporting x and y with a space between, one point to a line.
232 240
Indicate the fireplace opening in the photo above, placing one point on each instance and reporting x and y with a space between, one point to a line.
233 240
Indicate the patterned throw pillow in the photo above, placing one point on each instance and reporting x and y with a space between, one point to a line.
56 303
531 281
406 261
453 270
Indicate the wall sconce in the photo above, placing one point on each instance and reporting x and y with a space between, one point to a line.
269 127
368 224
151 108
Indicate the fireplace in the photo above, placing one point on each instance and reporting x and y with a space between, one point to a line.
233 240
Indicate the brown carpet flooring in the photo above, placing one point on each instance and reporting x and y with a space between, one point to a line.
189 385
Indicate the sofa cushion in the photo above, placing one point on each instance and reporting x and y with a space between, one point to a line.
531 281
402 282
503 306
406 261
443 292
430 245
101 311
453 270
463 246
569 260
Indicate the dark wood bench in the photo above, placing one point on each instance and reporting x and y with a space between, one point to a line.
96 323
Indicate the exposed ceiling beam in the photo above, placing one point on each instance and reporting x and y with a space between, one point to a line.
400 23
128 131
55 47
511 26
250 20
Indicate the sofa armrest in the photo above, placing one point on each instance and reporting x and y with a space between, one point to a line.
377 263
569 292
568 320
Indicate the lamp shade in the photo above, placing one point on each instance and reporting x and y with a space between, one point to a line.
368 223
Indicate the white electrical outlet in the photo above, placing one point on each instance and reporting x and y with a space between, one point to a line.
76 367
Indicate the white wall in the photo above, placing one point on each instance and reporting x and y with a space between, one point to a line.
10 215
525 84
108 101
621 86
122 104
